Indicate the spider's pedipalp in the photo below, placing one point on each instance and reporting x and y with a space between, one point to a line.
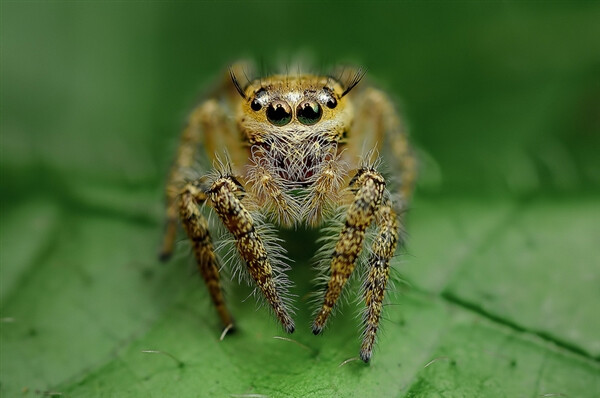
268 188
326 190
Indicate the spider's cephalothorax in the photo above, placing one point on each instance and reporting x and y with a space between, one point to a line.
292 144
293 126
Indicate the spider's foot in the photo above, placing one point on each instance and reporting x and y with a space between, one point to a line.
290 327
317 329
321 319
365 355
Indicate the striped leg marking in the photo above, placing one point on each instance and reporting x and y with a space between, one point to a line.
183 161
196 227
361 213
239 222
382 251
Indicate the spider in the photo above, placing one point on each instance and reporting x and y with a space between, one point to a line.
289 150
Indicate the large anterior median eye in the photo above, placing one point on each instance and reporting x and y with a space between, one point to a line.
279 113
309 112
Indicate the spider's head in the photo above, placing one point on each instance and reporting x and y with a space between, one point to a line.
296 122
286 107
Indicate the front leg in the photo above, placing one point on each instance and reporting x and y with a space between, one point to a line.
371 187
196 226
382 250
223 196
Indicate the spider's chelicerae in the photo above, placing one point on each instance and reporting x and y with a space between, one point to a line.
290 150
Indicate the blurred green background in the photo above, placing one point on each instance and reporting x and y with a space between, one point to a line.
502 270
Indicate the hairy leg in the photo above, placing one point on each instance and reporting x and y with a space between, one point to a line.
211 128
379 121
402 161
379 125
371 187
378 265
223 195
184 160
196 226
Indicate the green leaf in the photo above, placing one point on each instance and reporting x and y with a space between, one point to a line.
498 289
83 315
545 252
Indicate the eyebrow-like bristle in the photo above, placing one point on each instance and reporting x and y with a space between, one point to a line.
329 83
358 75
248 80
236 83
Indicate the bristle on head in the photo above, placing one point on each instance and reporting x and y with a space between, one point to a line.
356 78
236 83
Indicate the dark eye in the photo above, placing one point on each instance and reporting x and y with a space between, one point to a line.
331 103
309 112
255 105
279 113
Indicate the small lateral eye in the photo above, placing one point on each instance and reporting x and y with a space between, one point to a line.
309 112
255 105
279 113
331 103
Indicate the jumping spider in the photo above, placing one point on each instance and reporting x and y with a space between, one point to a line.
292 144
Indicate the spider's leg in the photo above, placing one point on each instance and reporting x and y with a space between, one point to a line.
378 264
399 155
184 160
371 187
223 197
196 226
379 121
211 127
378 125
